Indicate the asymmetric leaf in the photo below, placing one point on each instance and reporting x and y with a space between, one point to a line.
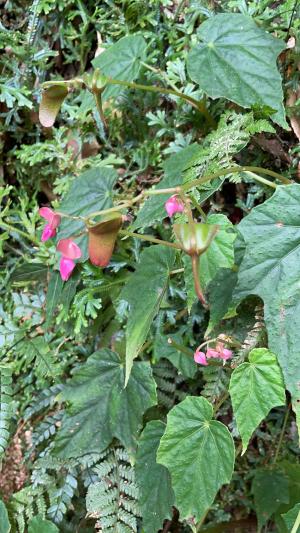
121 61
255 388
144 293
153 479
199 453
270 269
271 489
237 60
99 408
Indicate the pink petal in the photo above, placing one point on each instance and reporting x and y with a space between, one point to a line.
226 354
48 233
51 217
69 249
174 205
200 358
66 267
212 353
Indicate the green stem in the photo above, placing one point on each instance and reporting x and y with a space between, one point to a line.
13 229
199 105
149 239
180 348
296 524
98 99
231 170
261 180
285 421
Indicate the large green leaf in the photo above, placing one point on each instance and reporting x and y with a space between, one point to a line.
39 525
154 208
99 408
4 522
270 269
153 479
121 61
164 350
144 293
220 254
54 291
292 472
271 489
90 192
199 452
237 60
291 517
255 388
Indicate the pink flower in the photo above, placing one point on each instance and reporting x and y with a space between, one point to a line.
223 352
53 220
48 232
219 352
174 205
69 251
66 267
200 358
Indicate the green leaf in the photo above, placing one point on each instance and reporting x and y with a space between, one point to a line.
199 452
4 522
163 350
237 60
291 517
90 192
220 292
52 98
144 293
292 472
54 293
39 525
153 479
154 208
99 408
220 254
255 388
121 61
270 270
30 272
271 489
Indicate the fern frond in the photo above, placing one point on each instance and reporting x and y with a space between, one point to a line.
113 498
216 382
255 337
44 399
5 405
168 381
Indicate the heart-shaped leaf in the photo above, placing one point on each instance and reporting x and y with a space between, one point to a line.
199 452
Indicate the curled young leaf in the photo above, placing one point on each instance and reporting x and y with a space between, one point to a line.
195 238
102 238
52 99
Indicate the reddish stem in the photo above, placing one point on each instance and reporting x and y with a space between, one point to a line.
195 266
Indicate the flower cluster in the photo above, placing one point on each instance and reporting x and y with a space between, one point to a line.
219 352
67 247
